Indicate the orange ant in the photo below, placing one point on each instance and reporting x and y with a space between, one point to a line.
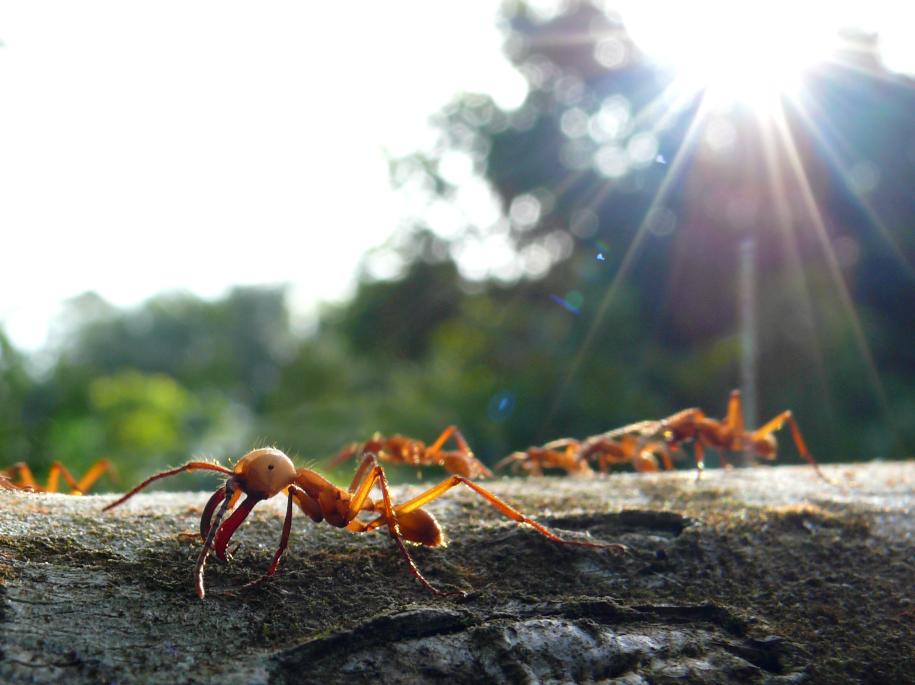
622 446
399 449
625 446
564 454
265 472
26 481
730 435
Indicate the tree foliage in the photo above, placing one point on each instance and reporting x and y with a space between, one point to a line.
619 301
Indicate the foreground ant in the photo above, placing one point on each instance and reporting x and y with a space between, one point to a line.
730 435
399 449
623 446
26 481
265 472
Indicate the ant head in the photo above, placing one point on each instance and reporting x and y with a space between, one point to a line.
765 446
264 472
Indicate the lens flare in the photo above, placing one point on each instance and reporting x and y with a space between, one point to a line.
735 53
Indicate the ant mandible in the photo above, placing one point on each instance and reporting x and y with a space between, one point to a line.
400 449
265 472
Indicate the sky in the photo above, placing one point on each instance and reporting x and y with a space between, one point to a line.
155 146
197 145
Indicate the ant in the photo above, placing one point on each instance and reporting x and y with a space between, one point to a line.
262 473
564 453
625 446
621 446
26 481
730 435
399 449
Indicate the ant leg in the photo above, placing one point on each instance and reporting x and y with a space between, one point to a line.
57 469
343 455
389 517
656 448
21 471
645 462
465 461
190 466
573 457
734 418
284 538
511 460
443 438
443 487
700 458
364 466
780 421
529 461
96 471
470 465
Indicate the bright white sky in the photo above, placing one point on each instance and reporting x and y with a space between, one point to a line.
151 146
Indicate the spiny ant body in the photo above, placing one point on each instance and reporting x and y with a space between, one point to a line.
263 473
400 449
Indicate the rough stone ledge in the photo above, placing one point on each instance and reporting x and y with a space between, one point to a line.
764 575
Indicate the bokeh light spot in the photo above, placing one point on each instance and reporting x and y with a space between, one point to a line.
611 53
501 406
864 177
584 223
612 161
525 210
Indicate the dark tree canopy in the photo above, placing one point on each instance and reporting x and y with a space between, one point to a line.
625 210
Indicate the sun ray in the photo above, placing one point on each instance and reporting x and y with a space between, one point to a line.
814 127
679 160
835 273
773 141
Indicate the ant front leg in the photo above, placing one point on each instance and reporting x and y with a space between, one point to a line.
779 421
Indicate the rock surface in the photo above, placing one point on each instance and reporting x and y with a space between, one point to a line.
764 575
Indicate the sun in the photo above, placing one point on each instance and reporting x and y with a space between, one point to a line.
735 53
